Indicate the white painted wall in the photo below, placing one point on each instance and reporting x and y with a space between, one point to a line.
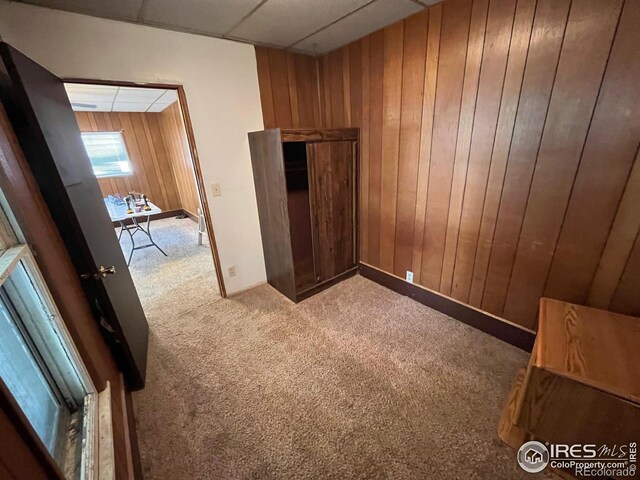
221 83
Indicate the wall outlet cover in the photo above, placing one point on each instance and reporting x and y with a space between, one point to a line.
216 190
232 271
409 276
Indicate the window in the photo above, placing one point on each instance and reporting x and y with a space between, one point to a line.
39 364
108 153
34 364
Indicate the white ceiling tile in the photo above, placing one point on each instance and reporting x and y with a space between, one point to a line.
284 22
168 97
118 9
135 94
91 106
131 106
90 93
377 15
208 16
159 107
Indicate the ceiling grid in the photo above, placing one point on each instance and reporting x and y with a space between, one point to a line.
308 26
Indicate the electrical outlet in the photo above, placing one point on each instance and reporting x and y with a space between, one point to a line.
215 188
409 276
232 270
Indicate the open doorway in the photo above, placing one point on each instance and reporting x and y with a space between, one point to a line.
141 147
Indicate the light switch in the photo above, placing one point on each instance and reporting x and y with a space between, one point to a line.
215 188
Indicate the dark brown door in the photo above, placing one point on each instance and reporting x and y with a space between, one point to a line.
332 198
39 110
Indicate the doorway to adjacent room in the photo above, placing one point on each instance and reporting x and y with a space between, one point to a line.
141 148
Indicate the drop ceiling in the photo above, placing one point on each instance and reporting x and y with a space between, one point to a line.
107 98
310 26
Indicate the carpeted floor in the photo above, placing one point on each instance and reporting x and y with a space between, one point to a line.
356 382
186 263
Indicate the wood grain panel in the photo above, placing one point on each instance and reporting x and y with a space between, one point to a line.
415 49
391 102
281 95
498 37
626 299
289 89
544 50
306 83
335 89
179 158
426 135
584 56
325 90
622 236
475 47
265 85
499 161
518 49
606 161
376 68
293 89
456 16
152 171
364 154
346 84
355 83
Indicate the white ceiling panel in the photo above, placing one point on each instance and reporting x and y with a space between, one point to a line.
78 92
91 106
377 15
168 97
158 107
103 98
215 17
138 95
117 9
284 22
311 26
130 107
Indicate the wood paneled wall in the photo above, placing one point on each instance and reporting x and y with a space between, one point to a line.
179 153
150 160
288 89
499 149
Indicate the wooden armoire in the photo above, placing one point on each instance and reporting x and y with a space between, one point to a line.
306 187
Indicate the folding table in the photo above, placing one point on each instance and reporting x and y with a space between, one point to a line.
118 213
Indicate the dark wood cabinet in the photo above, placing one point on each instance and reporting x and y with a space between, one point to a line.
306 187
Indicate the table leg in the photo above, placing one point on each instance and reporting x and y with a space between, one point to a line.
148 232
133 242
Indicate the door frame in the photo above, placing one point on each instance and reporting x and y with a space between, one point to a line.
195 160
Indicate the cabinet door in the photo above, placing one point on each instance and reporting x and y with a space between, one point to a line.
332 180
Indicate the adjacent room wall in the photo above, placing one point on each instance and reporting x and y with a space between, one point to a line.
151 164
221 85
499 149
177 147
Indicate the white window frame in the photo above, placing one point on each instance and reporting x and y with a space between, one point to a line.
124 144
97 460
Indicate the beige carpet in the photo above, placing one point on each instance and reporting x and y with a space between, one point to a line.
357 382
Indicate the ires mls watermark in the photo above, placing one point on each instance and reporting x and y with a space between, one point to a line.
583 460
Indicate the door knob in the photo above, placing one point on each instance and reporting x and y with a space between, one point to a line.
104 271
101 273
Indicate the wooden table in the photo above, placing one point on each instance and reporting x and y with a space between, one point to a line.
118 213
582 383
